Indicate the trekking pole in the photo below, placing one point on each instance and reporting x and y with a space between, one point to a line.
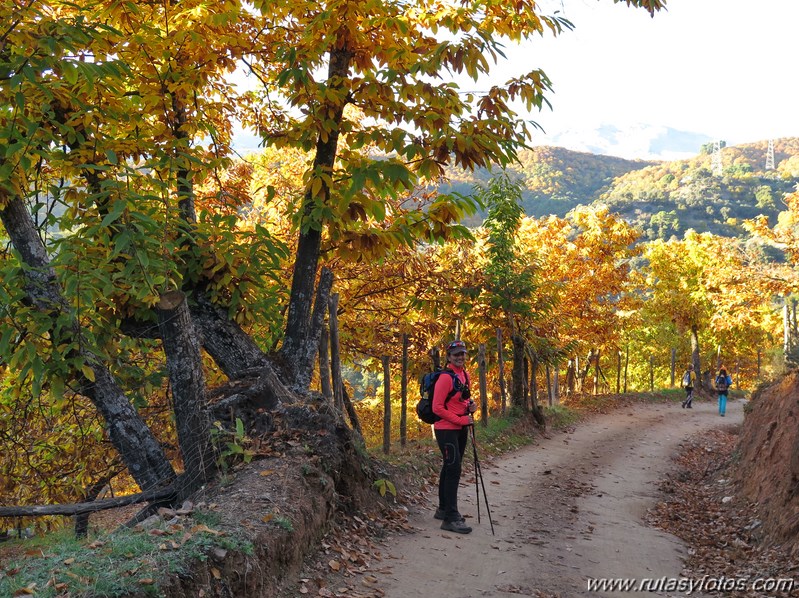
479 472
476 482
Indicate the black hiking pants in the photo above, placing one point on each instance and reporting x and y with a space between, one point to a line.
452 444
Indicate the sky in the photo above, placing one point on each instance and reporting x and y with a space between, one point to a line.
723 69
634 86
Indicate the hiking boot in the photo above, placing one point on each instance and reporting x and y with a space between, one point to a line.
689 406
441 516
459 527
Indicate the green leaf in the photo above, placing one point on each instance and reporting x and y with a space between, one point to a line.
116 211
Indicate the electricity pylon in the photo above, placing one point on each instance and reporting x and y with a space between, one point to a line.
715 161
770 155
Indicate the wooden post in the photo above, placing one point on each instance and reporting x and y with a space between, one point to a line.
555 384
525 383
596 373
435 358
651 373
501 362
386 406
626 365
335 355
737 366
786 334
404 393
673 365
481 365
618 372
549 385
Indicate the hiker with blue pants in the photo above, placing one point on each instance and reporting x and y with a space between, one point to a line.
723 383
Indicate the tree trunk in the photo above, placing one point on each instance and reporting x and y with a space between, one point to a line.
186 378
525 383
138 448
353 415
549 384
324 365
570 377
517 392
386 406
233 350
302 368
310 239
404 393
695 359
335 356
537 411
481 365
501 363
589 360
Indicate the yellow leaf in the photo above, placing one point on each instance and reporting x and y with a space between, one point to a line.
335 565
88 372
216 573
267 472
267 518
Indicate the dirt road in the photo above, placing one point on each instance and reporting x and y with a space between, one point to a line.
567 509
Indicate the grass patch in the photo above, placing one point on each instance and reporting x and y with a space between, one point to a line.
112 564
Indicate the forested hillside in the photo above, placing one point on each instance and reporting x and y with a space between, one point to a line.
660 198
555 179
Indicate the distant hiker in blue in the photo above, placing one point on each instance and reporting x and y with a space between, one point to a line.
723 383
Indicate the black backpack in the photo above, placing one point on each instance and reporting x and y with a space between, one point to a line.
424 408
721 384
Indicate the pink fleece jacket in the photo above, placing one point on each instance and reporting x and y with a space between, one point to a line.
455 414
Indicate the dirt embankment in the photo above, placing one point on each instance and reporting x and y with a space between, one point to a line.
767 471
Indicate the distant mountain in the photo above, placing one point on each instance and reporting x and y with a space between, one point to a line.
555 179
640 140
663 198
671 197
